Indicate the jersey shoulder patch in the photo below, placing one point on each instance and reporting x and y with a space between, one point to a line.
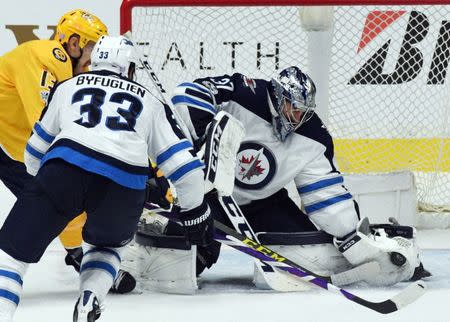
53 57
316 130
59 54
252 94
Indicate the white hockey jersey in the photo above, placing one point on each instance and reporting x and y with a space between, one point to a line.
265 164
109 125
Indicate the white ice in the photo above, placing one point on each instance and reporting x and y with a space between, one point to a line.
228 295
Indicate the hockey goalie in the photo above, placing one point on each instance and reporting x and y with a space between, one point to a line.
284 141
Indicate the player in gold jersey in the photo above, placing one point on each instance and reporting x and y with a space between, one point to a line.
27 74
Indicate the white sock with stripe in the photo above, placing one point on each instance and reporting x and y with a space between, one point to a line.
11 275
99 268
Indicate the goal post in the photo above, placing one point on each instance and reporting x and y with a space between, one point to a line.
381 68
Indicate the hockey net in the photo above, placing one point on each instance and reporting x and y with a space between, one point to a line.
383 74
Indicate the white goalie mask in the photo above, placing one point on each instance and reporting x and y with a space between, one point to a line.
294 92
116 54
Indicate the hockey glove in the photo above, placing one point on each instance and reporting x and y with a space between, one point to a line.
74 257
198 225
158 190
397 256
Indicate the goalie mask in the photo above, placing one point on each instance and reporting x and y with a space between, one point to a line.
294 95
116 54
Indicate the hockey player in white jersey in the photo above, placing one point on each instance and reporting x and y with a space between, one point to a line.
286 141
89 152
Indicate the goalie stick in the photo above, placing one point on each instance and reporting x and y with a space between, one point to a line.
273 278
410 294
242 243
254 249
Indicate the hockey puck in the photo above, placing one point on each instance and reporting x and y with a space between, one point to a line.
398 259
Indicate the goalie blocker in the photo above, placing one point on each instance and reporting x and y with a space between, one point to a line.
223 138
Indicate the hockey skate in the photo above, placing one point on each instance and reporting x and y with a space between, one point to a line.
124 283
87 308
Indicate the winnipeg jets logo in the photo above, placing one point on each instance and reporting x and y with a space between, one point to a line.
256 166
250 166
250 83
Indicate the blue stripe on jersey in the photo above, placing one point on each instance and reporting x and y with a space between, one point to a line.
320 184
326 203
88 163
43 134
34 152
10 296
196 86
103 250
192 102
177 147
11 275
188 167
99 265
144 170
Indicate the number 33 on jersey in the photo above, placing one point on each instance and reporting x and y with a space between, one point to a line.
107 124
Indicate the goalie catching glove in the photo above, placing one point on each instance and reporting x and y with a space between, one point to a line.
395 252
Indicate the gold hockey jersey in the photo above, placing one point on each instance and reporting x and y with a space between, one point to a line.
27 73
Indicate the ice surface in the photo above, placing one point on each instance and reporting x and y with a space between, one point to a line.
228 295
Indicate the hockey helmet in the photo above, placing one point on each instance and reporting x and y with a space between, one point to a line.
292 86
82 23
115 54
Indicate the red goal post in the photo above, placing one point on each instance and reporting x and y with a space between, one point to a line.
381 69
128 5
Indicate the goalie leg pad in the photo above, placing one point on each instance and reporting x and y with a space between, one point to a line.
313 250
165 263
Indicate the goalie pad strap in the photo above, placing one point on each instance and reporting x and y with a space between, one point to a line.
396 231
297 239
162 241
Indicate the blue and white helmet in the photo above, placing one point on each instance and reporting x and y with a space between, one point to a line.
115 54
295 87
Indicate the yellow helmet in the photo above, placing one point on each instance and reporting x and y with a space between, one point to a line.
82 23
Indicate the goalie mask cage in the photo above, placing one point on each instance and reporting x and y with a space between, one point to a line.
381 69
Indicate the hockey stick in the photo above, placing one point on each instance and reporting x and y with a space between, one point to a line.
241 225
145 65
273 278
355 274
240 242
263 253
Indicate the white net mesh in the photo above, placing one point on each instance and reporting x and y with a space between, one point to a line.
388 87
